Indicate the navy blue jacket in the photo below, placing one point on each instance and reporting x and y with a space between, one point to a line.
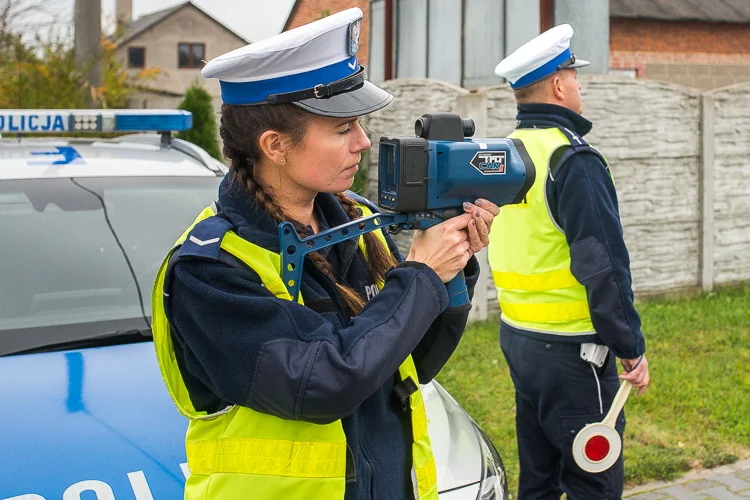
583 202
237 343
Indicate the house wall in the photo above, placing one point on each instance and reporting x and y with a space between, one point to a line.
189 25
692 53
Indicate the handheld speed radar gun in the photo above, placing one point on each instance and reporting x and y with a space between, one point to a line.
422 181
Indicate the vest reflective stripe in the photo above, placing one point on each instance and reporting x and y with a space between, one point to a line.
267 456
238 449
541 282
530 257
547 313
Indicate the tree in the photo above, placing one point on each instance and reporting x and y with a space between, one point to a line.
360 178
38 68
203 132
44 75
24 17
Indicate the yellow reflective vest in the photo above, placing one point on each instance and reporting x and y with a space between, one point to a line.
240 453
530 257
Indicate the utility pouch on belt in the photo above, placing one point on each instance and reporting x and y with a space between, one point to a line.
595 354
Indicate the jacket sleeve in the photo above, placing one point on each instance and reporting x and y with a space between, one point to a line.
444 334
584 203
278 357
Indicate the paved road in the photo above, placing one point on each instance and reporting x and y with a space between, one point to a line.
729 482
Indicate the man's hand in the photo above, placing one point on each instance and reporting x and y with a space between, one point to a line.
636 372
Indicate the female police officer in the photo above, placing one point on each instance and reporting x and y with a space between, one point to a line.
316 399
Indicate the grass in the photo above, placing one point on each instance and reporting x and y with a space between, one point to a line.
695 414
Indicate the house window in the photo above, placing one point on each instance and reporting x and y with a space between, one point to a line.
136 57
190 55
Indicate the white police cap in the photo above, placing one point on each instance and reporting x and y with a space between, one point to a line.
314 67
540 57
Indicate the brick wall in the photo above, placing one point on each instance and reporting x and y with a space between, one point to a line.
307 11
678 36
696 54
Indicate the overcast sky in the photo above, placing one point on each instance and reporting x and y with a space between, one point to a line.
253 19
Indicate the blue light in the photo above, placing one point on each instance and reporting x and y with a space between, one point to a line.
179 120
46 121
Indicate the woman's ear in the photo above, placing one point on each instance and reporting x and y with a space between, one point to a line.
274 146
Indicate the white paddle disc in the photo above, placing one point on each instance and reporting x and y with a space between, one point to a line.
597 446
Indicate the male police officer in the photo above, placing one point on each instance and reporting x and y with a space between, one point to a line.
563 277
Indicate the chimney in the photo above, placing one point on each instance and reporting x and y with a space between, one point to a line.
88 39
123 11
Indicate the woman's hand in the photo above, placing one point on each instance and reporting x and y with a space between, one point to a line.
444 247
482 214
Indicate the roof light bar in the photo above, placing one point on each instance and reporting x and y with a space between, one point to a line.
46 121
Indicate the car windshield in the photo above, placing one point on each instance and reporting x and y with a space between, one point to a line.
79 255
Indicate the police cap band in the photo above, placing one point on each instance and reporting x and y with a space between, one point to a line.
314 67
540 57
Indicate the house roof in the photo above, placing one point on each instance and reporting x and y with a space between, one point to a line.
719 11
144 23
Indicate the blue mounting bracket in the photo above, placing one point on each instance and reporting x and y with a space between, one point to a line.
294 249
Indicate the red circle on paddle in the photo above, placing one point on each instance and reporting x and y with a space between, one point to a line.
596 448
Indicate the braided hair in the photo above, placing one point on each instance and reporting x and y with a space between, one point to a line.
240 130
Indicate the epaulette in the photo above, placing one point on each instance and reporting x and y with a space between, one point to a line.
562 154
576 141
204 240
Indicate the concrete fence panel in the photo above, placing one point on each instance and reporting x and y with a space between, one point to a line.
681 162
731 181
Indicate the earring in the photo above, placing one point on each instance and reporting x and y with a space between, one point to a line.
283 160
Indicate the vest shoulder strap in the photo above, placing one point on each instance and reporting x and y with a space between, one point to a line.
362 201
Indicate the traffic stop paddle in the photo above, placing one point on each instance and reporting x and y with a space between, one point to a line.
597 446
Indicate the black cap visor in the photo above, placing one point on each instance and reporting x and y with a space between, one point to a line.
360 101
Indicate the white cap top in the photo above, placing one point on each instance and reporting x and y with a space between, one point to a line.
329 40
314 67
540 57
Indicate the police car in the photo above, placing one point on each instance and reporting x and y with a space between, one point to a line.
85 224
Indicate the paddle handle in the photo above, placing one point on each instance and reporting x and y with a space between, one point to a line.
617 404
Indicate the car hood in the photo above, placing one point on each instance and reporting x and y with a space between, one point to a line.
455 443
96 419
101 420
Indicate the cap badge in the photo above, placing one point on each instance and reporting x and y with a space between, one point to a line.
354 36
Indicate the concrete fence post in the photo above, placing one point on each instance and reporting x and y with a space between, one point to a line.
706 187
474 106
